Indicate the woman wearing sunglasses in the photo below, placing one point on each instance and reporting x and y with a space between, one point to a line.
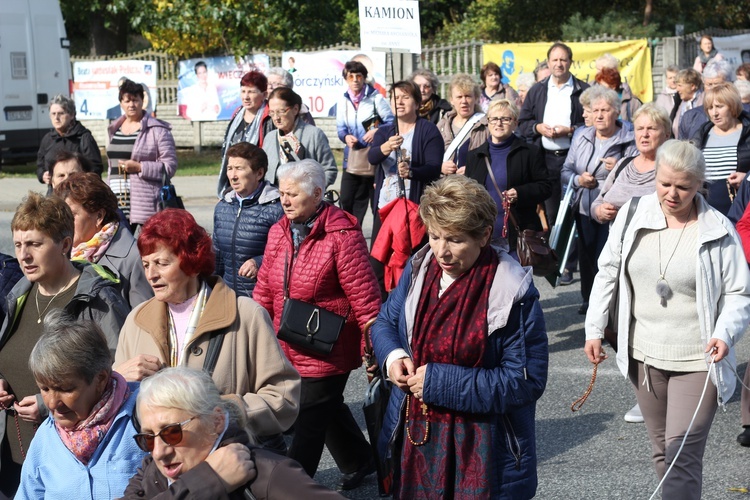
85 449
199 448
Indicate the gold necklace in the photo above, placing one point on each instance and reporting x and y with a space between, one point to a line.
36 299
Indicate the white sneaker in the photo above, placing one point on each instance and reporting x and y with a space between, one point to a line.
634 415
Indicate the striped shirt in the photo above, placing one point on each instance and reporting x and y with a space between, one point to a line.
721 155
119 149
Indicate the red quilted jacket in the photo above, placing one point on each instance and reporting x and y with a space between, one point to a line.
331 270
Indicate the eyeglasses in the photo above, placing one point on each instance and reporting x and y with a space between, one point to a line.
355 76
503 120
280 112
171 435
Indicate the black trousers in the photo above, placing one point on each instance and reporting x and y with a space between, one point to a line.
356 191
554 168
324 419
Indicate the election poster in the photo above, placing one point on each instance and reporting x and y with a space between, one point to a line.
735 49
634 57
96 87
318 76
208 88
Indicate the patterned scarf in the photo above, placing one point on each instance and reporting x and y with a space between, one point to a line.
300 230
84 438
426 108
450 329
93 249
177 343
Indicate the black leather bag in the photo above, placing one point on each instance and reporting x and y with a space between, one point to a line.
310 327
307 326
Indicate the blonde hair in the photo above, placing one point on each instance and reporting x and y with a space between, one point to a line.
656 114
465 83
504 104
723 93
47 214
458 205
682 156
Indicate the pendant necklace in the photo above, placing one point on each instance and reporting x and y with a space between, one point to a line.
663 290
36 299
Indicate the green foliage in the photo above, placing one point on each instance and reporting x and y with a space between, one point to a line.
612 23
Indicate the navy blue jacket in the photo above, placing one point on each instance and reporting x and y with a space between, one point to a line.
10 273
532 111
241 232
507 386
426 158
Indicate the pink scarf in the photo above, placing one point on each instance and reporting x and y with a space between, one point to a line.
93 249
356 98
84 439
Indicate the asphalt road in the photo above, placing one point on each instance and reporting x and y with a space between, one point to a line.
592 454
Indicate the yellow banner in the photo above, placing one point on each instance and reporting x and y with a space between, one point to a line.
634 56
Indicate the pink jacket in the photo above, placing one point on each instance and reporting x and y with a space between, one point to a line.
332 270
153 148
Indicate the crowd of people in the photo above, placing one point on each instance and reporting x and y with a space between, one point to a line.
174 363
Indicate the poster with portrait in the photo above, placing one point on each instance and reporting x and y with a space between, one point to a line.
208 88
318 79
96 87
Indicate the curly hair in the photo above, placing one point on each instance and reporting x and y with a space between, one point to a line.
610 78
131 88
177 230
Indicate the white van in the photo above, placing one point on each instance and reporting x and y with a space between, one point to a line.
34 67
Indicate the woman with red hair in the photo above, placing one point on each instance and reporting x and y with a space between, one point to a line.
250 122
610 78
196 320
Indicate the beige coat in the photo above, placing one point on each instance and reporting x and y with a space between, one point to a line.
479 134
251 367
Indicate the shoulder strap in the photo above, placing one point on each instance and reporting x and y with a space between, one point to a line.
212 353
458 140
625 162
500 193
631 212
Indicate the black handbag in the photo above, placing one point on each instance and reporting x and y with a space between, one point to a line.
168 195
374 408
532 247
307 326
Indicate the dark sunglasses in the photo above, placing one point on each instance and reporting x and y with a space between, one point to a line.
170 434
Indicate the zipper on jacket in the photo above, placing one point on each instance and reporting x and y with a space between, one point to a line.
235 269
512 441
707 329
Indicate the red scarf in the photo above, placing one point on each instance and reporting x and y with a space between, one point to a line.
84 439
452 330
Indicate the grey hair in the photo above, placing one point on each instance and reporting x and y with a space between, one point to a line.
591 94
69 348
682 156
721 68
66 103
672 68
608 95
743 87
284 74
656 114
192 391
608 61
308 174
525 80
427 75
